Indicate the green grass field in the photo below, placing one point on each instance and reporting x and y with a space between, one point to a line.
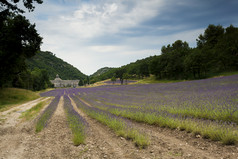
12 96
31 113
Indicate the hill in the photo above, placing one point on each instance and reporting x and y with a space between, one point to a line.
54 65
135 70
101 71
216 52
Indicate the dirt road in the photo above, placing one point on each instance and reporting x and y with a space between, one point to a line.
19 140
14 132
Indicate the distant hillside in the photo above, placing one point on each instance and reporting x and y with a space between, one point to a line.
54 65
135 70
101 71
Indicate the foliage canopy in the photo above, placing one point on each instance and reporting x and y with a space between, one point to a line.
216 51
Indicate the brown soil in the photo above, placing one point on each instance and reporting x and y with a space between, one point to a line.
14 132
19 140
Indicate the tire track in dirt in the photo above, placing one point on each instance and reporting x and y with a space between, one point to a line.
115 147
18 141
170 146
162 146
11 116
54 141
101 142
13 132
177 144
166 143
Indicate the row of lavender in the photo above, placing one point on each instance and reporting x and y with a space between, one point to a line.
119 125
46 115
182 105
76 122
43 120
214 99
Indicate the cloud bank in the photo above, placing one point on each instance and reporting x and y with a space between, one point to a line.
91 34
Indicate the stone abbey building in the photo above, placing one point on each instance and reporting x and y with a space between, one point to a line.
58 82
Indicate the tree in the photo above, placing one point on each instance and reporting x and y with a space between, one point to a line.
216 51
88 81
119 73
170 64
207 44
113 79
18 40
226 50
211 36
40 79
125 76
154 67
11 6
194 64
36 80
143 69
23 80
81 82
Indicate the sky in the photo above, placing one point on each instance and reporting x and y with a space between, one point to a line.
91 34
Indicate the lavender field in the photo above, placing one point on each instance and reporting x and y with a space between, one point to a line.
208 108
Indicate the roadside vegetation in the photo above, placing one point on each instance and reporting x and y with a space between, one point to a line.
34 111
152 79
12 96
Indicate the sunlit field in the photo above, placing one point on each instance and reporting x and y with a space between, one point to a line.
208 107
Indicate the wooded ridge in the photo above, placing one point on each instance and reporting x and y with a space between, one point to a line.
54 65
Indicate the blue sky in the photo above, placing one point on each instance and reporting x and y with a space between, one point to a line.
91 34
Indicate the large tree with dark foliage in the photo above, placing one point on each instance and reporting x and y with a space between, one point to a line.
170 64
18 39
11 6
226 50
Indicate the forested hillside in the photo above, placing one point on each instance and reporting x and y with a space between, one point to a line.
54 65
101 71
134 70
216 51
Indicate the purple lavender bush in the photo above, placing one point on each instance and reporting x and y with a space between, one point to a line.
75 121
47 114
206 106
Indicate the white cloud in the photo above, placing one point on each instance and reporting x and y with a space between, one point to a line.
97 33
98 19
69 32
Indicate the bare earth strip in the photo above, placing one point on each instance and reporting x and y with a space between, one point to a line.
13 132
168 144
18 140
162 146
180 144
54 141
11 116
101 142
